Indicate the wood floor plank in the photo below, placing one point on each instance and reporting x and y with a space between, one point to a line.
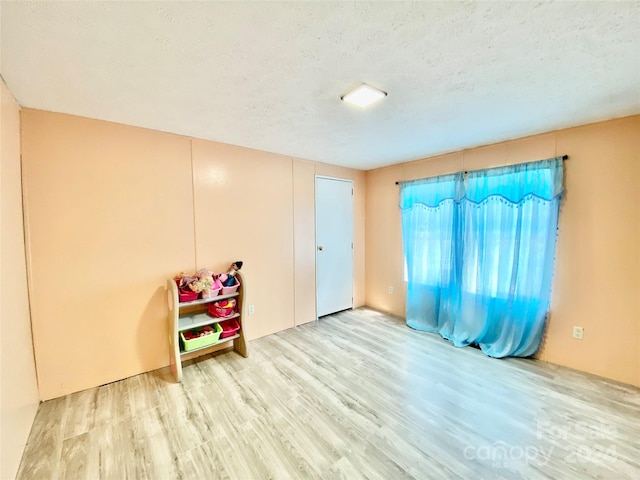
119 451
356 394
203 461
81 460
375 464
43 451
343 469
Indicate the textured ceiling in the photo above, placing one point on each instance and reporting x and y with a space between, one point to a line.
270 75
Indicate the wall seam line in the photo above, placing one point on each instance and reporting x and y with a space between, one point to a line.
26 241
193 207
293 231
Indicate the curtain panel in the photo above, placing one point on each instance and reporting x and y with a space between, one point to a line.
479 254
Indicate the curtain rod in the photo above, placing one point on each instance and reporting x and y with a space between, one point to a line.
564 157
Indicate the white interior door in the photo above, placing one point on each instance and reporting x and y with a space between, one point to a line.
334 245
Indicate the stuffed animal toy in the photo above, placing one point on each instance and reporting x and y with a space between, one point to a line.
203 283
184 280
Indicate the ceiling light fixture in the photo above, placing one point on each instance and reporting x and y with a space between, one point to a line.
363 96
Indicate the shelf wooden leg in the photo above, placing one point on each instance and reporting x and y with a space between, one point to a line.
175 364
240 346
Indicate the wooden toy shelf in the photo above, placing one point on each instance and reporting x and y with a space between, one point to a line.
187 315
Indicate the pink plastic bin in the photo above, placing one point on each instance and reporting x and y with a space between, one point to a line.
232 289
229 328
186 295
215 310
217 286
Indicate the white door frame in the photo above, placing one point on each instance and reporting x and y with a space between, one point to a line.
315 205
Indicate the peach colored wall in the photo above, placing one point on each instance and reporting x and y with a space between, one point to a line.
304 241
110 217
597 273
244 211
19 392
597 279
114 210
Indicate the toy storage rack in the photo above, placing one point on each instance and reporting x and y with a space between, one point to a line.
188 315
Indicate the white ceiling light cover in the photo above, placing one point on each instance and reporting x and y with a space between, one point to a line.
364 95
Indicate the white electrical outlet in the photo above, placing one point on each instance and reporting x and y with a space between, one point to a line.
251 309
578 332
390 289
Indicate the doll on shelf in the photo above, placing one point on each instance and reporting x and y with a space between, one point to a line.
229 279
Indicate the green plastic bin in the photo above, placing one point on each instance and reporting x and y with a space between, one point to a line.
203 341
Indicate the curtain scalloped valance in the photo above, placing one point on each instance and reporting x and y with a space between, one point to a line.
542 179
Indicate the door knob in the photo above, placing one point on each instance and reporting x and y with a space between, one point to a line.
320 247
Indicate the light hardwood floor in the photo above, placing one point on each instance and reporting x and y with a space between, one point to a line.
354 395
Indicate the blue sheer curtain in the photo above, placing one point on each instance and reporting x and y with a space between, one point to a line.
479 254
